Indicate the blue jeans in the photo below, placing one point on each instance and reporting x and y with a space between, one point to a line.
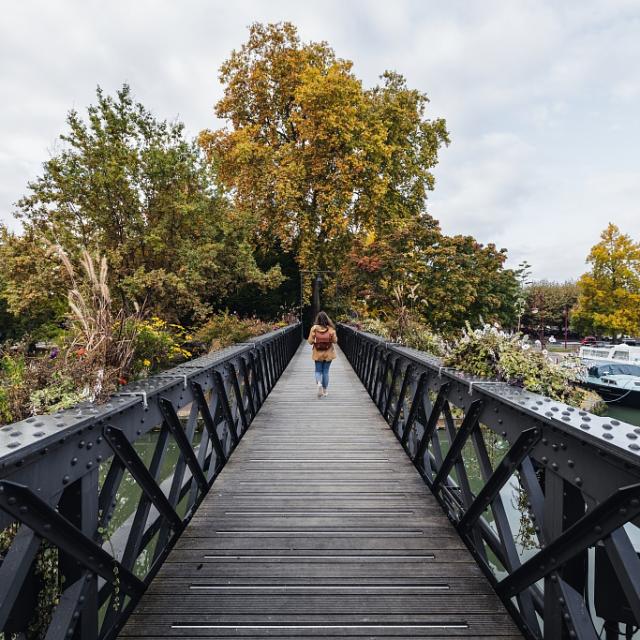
322 373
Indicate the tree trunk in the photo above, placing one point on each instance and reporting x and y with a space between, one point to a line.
315 298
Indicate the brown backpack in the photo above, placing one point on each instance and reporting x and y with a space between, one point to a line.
323 340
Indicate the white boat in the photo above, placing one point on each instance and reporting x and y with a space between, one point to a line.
614 354
613 371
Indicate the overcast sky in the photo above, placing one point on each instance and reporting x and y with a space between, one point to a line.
542 98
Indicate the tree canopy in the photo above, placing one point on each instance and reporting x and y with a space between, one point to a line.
134 188
609 300
312 157
337 175
547 302
313 172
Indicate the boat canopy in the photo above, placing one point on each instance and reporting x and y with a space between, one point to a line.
614 369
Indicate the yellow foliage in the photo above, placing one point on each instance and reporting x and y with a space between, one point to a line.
609 300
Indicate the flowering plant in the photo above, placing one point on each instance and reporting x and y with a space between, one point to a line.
493 353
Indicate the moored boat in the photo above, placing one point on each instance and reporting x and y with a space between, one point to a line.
616 383
615 354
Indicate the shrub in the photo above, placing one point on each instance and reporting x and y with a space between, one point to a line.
100 346
375 326
91 358
420 337
159 345
492 353
224 329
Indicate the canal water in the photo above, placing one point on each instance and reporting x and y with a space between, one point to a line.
624 414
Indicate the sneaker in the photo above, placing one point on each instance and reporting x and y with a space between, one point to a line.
319 390
325 393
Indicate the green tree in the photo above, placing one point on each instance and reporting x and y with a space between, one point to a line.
32 291
313 159
609 299
134 188
550 301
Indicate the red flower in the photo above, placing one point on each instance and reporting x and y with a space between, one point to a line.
81 352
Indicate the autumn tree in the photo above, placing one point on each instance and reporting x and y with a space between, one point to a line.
135 189
313 159
448 281
609 294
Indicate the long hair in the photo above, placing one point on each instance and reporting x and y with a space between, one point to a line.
324 320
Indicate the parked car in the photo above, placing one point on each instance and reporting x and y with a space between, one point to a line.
589 340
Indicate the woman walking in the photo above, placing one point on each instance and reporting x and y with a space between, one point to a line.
322 338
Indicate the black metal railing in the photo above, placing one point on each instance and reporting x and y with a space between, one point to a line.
561 556
61 480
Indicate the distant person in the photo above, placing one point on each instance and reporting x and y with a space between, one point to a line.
322 338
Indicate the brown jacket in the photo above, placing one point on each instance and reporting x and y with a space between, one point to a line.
322 356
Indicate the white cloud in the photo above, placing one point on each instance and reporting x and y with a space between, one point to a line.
541 97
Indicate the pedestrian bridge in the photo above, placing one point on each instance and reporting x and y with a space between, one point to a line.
385 510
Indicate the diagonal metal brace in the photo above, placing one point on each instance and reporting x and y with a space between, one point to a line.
468 425
415 404
408 373
209 423
175 426
434 416
24 505
224 405
512 459
625 561
620 508
124 450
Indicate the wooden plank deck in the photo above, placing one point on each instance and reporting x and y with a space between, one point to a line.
319 526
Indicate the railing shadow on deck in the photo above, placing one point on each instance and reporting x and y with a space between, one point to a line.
576 477
60 477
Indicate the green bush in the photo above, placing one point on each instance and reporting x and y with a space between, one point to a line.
62 392
420 337
226 328
491 353
158 345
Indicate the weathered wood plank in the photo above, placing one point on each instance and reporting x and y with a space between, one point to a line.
319 526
